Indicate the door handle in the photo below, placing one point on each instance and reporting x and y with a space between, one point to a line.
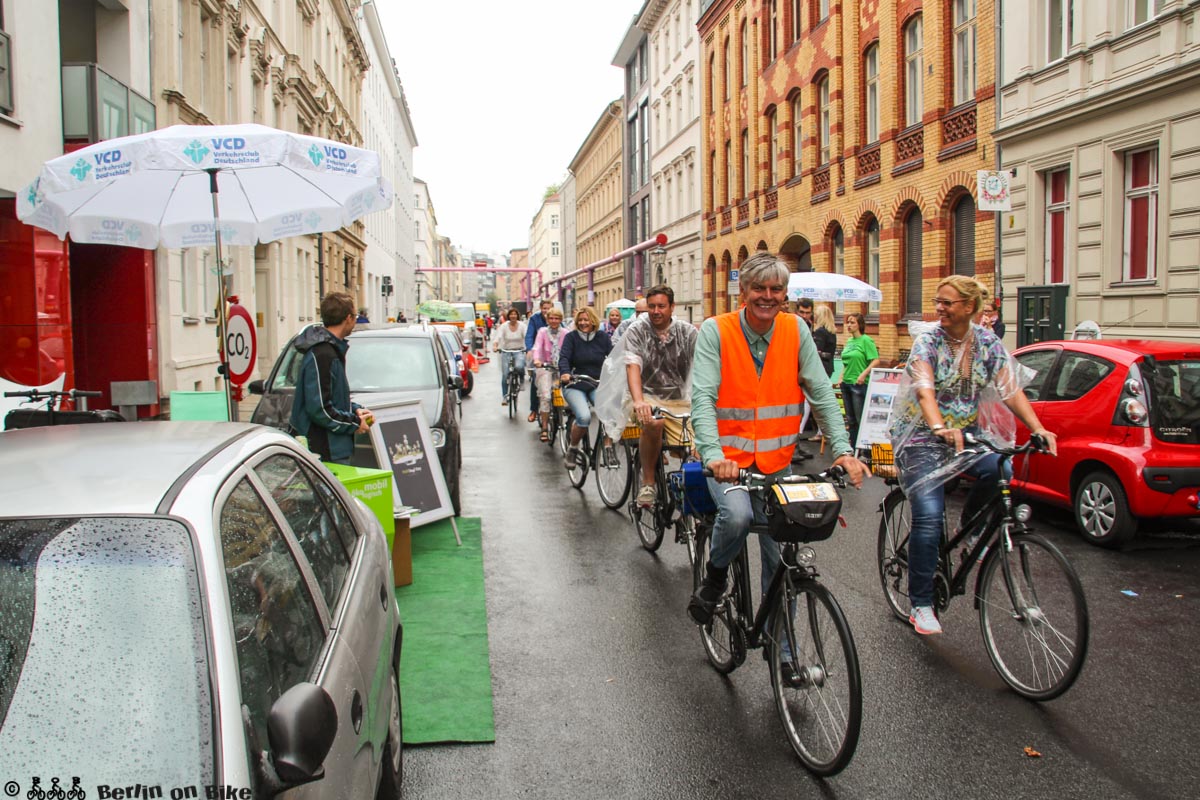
356 711
383 597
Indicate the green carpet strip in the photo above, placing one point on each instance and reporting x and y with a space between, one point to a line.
445 675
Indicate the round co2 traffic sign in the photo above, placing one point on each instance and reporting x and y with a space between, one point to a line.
241 345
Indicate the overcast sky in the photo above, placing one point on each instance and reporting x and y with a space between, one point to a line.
501 96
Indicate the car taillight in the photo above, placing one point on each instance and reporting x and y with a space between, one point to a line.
1134 411
1133 405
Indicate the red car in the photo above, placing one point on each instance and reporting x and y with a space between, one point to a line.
1127 416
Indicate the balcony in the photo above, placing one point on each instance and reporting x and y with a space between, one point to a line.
96 106
958 131
910 150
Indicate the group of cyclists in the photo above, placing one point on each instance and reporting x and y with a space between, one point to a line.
747 376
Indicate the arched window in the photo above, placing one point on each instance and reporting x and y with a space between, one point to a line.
712 78
745 55
747 176
728 172
871 258
914 72
837 258
797 137
773 31
773 154
796 26
823 119
913 231
963 249
726 67
871 93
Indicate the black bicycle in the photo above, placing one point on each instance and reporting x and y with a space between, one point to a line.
53 413
820 703
652 522
513 382
578 471
1032 609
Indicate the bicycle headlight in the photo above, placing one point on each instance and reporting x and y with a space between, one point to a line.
805 556
439 437
1023 513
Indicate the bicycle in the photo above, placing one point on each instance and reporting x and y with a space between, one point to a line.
53 413
514 381
821 710
557 405
652 523
1023 579
585 457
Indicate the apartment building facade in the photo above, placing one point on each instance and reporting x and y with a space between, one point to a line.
600 200
545 240
846 136
1099 126
633 57
675 146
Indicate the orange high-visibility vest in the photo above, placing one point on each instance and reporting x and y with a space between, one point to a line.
758 417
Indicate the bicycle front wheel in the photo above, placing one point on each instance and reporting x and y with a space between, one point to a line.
514 389
722 638
892 552
578 473
820 702
611 463
1034 617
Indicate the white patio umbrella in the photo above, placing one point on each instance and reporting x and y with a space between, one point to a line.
623 302
831 286
161 189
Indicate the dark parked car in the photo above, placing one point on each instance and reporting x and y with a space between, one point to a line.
384 365
192 603
1128 424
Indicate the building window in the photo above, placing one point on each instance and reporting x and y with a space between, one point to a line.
745 55
964 236
726 68
644 160
1058 28
1143 11
822 11
914 73
554 220
797 137
746 182
823 118
712 75
180 19
913 231
1141 214
712 176
964 51
202 68
728 170
871 93
773 31
1058 210
796 28
773 154
554 249
871 259
187 283
666 131
837 259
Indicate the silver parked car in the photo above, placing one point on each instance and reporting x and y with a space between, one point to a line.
192 604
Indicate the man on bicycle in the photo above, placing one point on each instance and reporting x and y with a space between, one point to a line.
752 371
958 376
658 360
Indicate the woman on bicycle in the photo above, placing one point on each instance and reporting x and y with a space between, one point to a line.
509 340
612 322
583 352
545 354
959 377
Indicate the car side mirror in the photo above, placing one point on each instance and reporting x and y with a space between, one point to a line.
301 727
456 382
256 387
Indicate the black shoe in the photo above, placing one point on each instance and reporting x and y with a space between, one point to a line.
787 673
800 455
707 595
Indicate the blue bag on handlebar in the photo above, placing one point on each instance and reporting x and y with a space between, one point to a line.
696 498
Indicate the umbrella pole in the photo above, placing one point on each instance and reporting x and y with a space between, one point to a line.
222 312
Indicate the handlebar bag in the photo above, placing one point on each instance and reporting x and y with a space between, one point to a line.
802 512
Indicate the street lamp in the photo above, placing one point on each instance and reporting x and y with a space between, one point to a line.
657 257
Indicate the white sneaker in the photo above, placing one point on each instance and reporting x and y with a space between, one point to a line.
924 621
646 495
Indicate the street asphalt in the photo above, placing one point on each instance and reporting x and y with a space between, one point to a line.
602 689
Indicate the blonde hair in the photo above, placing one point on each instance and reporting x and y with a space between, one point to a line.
970 289
590 313
823 318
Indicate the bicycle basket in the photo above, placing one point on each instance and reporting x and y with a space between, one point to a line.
690 485
557 395
633 431
883 460
802 512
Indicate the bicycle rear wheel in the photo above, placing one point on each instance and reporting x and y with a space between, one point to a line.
611 462
514 389
892 552
578 473
685 533
1034 617
566 419
821 710
553 423
722 638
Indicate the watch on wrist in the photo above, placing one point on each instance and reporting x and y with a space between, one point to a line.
939 427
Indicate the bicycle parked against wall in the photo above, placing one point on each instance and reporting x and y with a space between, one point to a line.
1032 610
798 620
54 413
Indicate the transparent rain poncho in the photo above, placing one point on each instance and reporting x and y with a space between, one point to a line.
972 382
671 387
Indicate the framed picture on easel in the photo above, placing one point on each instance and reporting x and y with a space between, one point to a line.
403 444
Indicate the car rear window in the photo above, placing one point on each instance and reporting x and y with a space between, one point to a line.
390 364
1174 389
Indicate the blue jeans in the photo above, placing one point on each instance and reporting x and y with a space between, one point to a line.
507 358
736 511
854 397
928 509
577 400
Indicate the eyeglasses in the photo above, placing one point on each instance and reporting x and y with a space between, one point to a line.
942 302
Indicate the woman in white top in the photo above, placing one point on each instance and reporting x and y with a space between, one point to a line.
509 340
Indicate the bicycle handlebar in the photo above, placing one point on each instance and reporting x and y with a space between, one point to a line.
1036 444
835 475
658 412
50 394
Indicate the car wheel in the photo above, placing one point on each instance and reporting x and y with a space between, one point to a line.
468 383
392 766
1101 510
